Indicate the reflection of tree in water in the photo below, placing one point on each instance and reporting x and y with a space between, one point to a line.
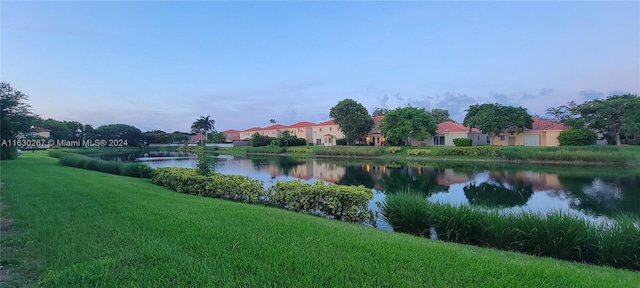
415 179
603 196
498 194
286 164
356 175
259 163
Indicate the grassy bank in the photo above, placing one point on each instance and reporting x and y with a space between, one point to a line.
601 155
553 234
74 227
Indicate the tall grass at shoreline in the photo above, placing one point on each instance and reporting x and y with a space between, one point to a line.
139 170
555 234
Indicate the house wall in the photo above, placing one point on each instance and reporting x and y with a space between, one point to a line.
301 132
320 132
547 138
552 138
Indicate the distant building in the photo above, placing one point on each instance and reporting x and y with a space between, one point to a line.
542 133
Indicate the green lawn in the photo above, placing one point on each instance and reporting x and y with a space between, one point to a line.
74 227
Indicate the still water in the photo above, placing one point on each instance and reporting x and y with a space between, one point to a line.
596 193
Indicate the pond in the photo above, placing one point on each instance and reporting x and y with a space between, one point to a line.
596 193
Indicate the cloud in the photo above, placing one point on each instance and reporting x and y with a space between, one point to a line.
526 96
383 100
424 102
618 92
456 103
546 91
503 99
591 94
398 97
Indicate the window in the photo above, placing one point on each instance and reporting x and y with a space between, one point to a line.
320 129
502 138
478 137
318 141
330 128
329 139
438 140
488 141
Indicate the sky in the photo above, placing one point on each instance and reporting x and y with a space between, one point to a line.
161 64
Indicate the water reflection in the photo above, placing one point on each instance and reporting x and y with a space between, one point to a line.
509 187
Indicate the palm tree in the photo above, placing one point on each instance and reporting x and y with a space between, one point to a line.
559 113
272 121
203 125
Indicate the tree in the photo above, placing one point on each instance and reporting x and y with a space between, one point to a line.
577 137
272 121
353 119
16 118
378 111
493 119
559 114
441 115
203 125
112 132
216 137
400 124
615 115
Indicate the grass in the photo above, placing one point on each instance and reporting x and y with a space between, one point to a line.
554 234
75 227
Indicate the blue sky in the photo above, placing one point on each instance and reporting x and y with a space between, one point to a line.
161 65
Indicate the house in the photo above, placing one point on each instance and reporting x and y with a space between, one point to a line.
231 135
272 131
542 133
246 134
447 131
326 133
302 130
41 132
375 137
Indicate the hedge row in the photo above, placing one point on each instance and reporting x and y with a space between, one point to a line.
347 203
489 151
138 170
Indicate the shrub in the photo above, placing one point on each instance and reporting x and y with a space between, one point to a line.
216 185
349 151
300 150
258 140
406 212
577 137
341 142
418 152
204 164
462 142
347 203
393 149
138 170
267 149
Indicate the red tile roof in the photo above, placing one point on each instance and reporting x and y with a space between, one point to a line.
302 124
252 129
540 124
448 126
275 126
377 119
230 131
325 123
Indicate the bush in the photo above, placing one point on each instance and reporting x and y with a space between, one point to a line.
138 170
462 142
349 151
267 149
416 152
300 150
258 140
216 185
393 149
347 203
341 142
577 137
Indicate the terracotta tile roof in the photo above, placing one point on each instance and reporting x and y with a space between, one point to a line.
38 130
230 131
377 119
302 124
540 124
252 129
328 135
325 123
275 126
448 126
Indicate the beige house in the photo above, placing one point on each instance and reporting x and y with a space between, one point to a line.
246 134
302 130
272 131
326 133
447 131
543 133
375 137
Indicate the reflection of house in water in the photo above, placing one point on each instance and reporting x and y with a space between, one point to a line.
539 181
329 172
448 177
